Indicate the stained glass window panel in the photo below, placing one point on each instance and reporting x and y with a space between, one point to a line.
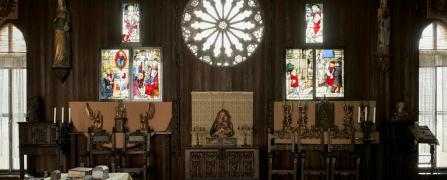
131 23
299 73
114 74
314 23
147 74
329 73
222 32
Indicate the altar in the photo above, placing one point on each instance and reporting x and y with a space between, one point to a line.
112 176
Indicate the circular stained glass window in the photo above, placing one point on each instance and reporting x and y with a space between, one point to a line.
222 32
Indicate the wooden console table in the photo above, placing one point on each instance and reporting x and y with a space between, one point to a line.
221 163
38 138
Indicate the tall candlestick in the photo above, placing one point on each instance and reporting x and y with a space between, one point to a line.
54 115
366 113
69 115
374 116
359 114
62 115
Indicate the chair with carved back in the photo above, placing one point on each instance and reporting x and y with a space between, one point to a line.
136 145
98 140
274 148
312 154
342 155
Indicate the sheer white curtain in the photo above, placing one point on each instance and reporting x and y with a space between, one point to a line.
4 132
433 101
18 109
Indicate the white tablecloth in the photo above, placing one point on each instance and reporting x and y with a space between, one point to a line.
112 176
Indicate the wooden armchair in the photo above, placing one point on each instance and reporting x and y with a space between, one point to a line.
136 144
341 146
311 149
96 147
273 147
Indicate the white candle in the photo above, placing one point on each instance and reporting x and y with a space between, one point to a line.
366 113
374 115
69 115
62 115
359 114
54 115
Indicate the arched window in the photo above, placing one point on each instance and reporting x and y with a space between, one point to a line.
12 93
433 90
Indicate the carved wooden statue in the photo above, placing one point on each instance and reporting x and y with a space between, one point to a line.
383 44
62 40
146 117
97 117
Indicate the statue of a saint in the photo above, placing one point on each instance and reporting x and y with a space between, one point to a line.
62 35
222 126
146 116
97 117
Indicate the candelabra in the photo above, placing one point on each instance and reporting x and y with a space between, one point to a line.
366 127
198 131
245 130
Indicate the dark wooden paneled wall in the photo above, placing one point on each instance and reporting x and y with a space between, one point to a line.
348 23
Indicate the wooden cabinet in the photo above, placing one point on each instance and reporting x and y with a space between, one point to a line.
38 138
222 163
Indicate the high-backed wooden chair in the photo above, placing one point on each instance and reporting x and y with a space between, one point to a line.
312 153
342 155
136 144
288 147
96 147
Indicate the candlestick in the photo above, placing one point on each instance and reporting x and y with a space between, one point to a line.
69 115
374 116
54 115
359 114
62 121
366 113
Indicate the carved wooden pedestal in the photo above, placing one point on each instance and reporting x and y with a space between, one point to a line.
222 163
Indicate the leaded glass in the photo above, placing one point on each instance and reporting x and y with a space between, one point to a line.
329 73
222 32
131 23
299 73
147 72
314 23
114 74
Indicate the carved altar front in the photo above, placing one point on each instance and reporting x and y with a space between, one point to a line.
222 163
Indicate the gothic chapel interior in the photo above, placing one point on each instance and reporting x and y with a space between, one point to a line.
223 89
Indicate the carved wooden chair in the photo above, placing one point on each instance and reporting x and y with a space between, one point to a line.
341 146
96 147
311 149
275 147
136 144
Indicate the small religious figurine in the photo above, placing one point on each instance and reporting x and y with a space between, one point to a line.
347 120
222 126
401 114
120 110
120 118
302 120
287 119
97 117
144 118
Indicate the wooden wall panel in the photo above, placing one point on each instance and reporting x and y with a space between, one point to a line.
348 23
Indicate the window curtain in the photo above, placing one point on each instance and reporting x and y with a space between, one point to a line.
12 64
4 132
433 100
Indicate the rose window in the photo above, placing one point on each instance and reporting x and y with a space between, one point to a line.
222 32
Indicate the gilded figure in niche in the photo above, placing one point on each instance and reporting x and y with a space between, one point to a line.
62 35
